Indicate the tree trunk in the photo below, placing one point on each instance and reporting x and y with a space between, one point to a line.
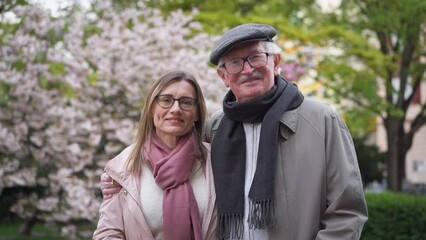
27 226
401 168
396 161
394 173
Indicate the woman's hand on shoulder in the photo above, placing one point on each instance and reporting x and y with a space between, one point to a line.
109 187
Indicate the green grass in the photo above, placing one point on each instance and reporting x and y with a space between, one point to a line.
10 231
40 232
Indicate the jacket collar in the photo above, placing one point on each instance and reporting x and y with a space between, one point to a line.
288 123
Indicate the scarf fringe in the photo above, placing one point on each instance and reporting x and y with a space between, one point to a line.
261 214
230 226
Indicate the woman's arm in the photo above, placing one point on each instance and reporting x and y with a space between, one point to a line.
110 223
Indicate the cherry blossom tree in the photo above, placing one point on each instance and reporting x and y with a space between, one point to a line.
73 87
71 91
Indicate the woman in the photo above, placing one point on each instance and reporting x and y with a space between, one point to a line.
167 186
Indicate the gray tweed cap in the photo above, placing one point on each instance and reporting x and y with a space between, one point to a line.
242 33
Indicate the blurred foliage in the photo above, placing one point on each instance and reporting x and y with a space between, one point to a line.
218 15
370 160
7 5
302 22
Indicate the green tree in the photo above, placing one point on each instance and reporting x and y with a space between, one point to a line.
384 47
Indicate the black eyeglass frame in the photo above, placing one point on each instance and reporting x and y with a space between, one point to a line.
246 59
160 103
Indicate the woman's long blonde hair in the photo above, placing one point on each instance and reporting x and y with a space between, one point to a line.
146 123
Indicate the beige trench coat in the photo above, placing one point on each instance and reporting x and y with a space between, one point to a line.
318 188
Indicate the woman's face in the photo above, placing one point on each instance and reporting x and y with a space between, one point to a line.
173 122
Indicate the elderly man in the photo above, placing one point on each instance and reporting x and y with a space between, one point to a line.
284 167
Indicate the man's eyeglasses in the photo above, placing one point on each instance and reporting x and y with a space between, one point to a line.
256 60
167 101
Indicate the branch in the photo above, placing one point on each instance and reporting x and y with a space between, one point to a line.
384 42
416 87
385 48
418 122
407 56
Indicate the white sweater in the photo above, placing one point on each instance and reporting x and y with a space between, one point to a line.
252 132
152 198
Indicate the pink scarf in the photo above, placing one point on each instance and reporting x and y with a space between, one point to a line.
171 169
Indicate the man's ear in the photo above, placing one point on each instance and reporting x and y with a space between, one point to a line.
222 76
277 60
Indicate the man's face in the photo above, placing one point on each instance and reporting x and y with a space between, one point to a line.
250 82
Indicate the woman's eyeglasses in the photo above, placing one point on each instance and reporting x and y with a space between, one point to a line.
167 101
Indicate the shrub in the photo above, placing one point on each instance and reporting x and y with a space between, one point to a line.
395 216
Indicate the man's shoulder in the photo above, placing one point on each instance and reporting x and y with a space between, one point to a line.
213 123
311 112
312 107
218 114
310 104
318 115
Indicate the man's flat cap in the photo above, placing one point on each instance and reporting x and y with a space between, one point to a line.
242 33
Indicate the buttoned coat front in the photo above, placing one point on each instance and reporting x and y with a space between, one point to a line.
121 217
318 187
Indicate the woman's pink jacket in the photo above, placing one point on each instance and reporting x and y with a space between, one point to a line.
121 217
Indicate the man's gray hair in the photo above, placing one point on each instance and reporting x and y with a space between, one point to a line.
270 47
